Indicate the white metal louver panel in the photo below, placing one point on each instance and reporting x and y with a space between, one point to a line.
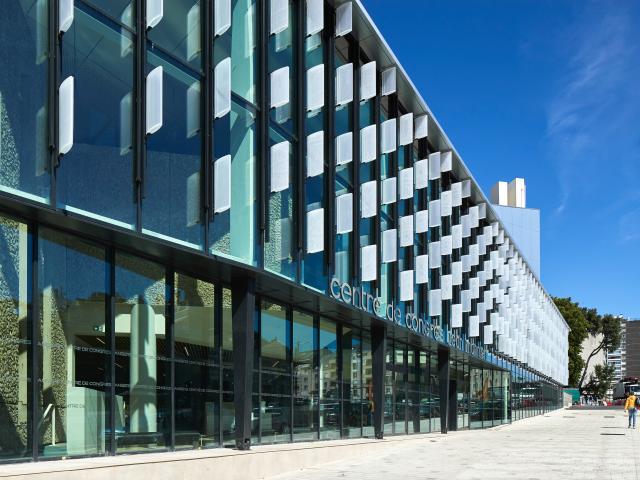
279 166
446 162
194 46
344 148
406 231
456 194
422 221
221 17
422 269
406 183
445 203
368 143
388 136
315 16
456 273
389 194
474 326
65 15
446 287
465 299
368 203
153 112
368 80
344 213
445 245
315 154
193 199
406 286
434 166
456 236
222 92
368 263
421 171
435 303
193 109
388 81
435 260
278 16
344 19
279 81
406 129
466 188
315 87
65 115
488 335
315 230
222 184
155 11
456 316
344 84
389 246
421 126
434 213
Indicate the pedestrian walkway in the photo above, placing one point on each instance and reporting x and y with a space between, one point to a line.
566 444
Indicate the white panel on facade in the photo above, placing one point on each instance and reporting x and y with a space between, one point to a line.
421 170
368 80
389 194
344 213
315 16
315 154
388 81
344 148
153 112
368 143
466 263
445 245
315 230
465 299
193 199
482 211
435 259
446 287
456 236
315 87
125 128
389 246
456 316
421 126
279 87
278 16
422 269
194 46
473 216
65 15
445 203
388 136
422 221
446 161
222 92
406 129
368 203
368 262
466 188
344 19
155 11
482 313
406 231
279 166
488 335
474 326
65 115
406 183
435 303
221 17
406 286
222 186
193 109
456 273
434 213
434 166
344 84
456 194
465 221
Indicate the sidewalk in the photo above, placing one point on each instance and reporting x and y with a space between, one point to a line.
566 444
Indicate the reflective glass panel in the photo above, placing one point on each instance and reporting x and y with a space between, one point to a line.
178 33
329 393
305 390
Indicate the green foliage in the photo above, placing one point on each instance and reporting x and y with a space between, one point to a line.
577 321
600 380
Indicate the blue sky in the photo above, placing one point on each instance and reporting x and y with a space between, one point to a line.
548 90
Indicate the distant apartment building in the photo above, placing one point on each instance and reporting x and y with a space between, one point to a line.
632 344
618 357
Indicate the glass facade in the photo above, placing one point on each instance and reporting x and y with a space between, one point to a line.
243 141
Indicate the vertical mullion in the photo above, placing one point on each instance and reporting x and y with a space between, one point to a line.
32 230
219 335
290 361
316 369
111 331
140 103
329 143
169 315
299 53
54 69
339 360
263 116
354 56
206 182
393 164
378 173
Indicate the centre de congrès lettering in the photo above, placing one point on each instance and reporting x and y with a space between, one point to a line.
420 325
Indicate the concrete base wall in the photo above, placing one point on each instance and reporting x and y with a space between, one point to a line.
260 462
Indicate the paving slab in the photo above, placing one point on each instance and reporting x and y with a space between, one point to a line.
565 444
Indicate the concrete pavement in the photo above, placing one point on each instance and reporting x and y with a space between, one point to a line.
566 444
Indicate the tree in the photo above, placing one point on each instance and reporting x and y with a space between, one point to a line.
600 380
575 317
606 325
